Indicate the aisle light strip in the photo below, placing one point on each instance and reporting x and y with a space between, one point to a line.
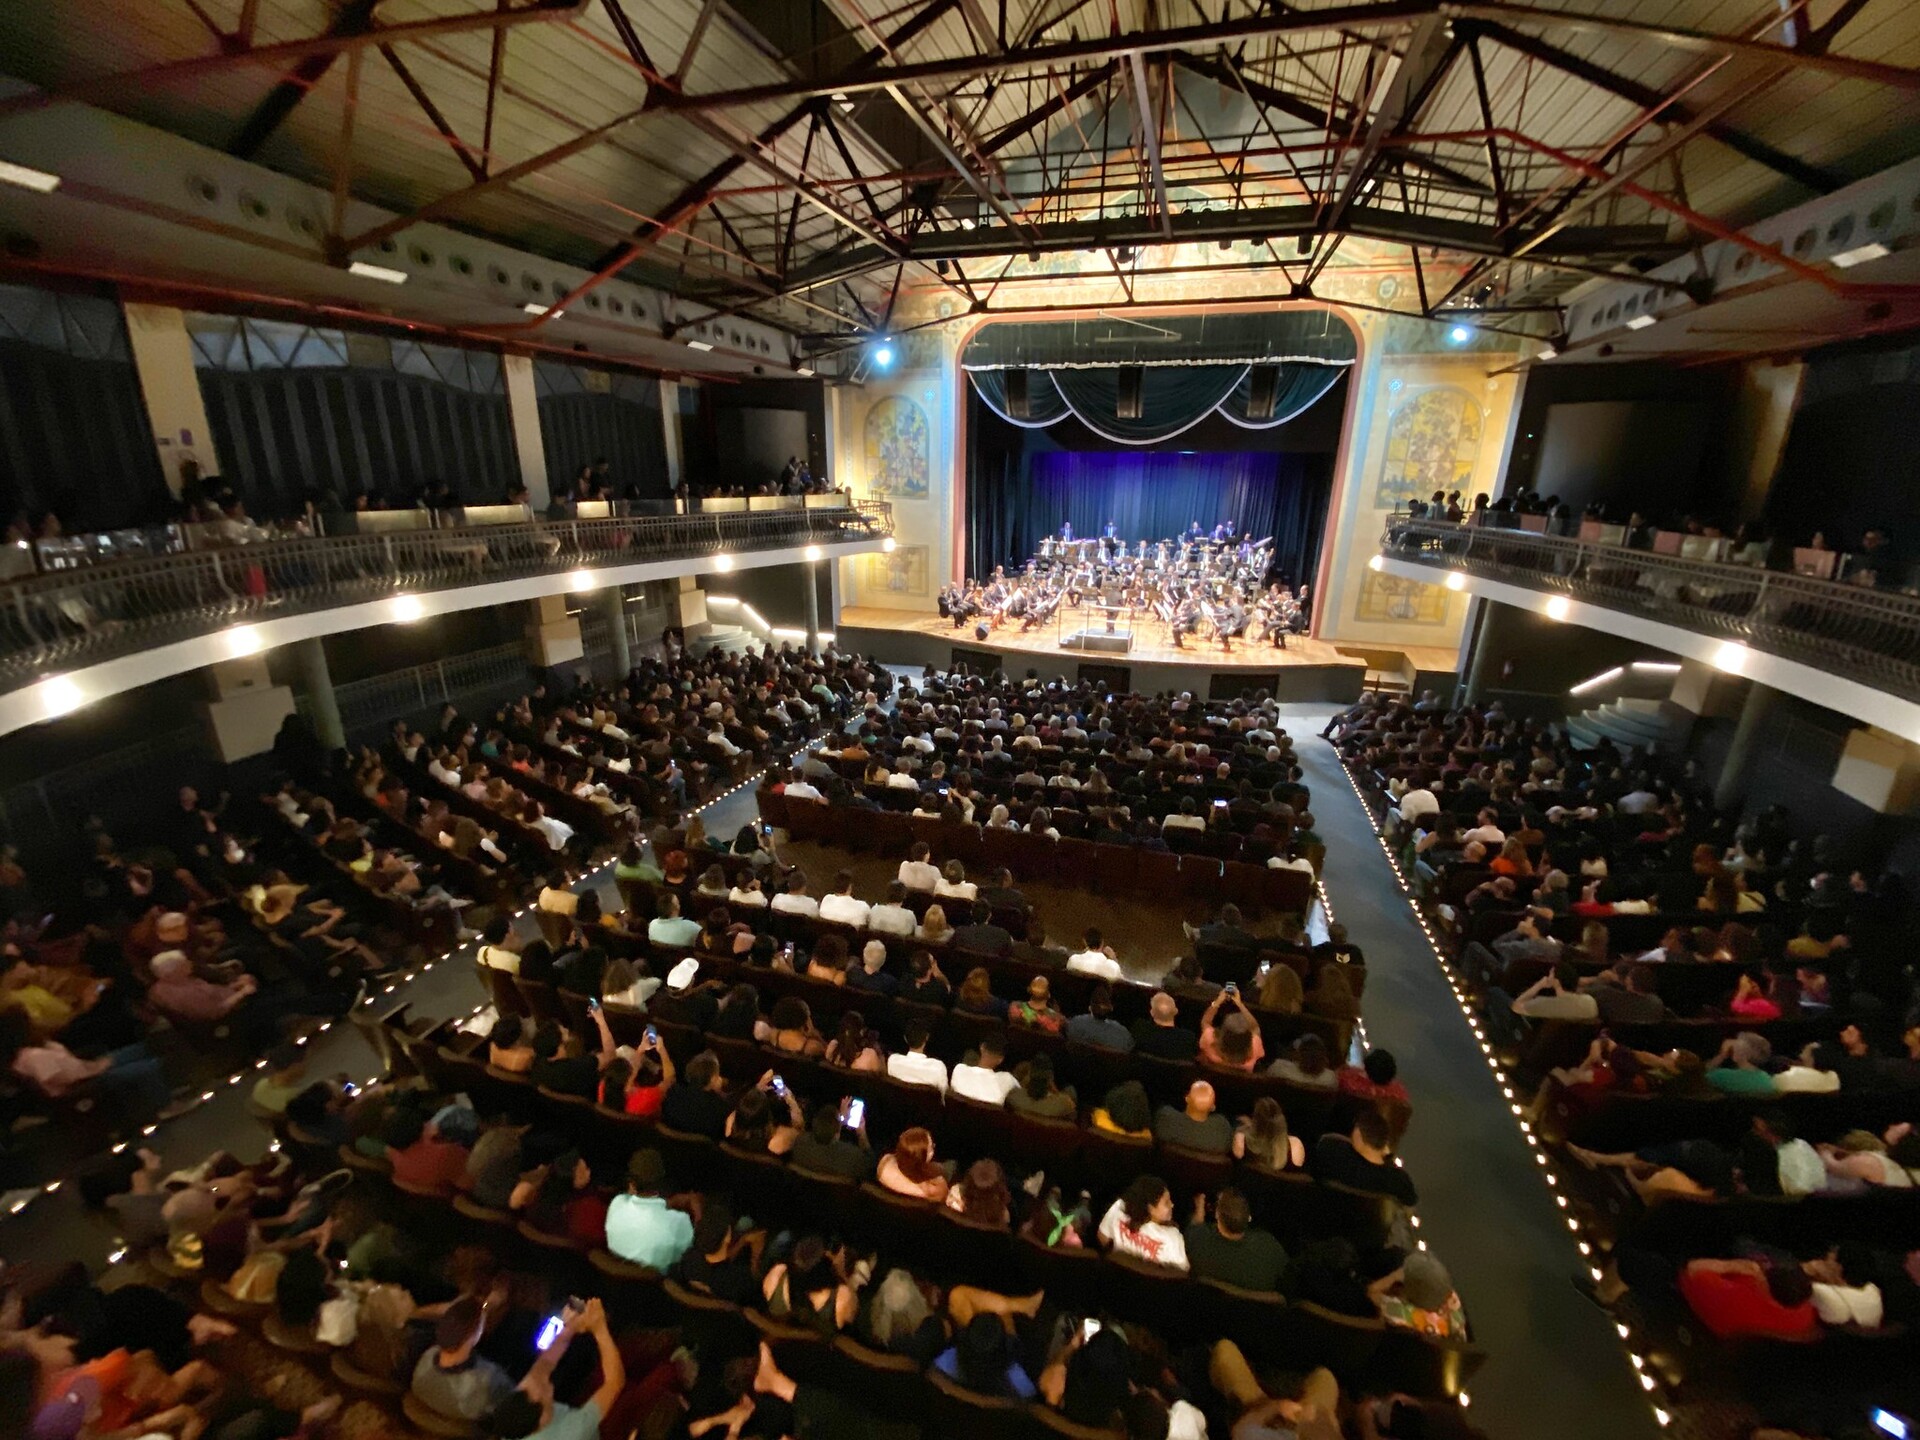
1647 1382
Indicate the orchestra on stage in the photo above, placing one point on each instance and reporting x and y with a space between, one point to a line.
1201 586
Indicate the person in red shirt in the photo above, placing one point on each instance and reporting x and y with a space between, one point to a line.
1377 1081
1743 1297
429 1161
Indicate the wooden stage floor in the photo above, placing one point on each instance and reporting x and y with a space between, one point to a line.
1151 643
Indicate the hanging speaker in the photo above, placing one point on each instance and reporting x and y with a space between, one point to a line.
1265 381
1129 403
1020 394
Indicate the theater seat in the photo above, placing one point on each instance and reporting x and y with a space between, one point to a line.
962 1414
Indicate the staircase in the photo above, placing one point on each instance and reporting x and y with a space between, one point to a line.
727 639
1629 724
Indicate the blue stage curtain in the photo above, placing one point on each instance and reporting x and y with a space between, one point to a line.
1149 495
1301 384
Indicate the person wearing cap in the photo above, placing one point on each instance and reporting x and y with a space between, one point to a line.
641 1226
1420 1296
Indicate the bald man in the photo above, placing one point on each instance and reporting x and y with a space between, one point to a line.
1161 1035
1196 1126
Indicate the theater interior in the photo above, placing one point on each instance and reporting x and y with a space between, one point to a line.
1123 719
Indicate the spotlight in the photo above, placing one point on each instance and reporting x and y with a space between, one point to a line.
243 640
406 608
1459 335
1124 254
883 355
1456 580
60 696
813 552
723 563
889 545
580 580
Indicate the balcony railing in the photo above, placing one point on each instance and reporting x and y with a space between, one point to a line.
1871 636
65 618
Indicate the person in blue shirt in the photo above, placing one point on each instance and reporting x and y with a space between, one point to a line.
641 1226
531 1412
981 1359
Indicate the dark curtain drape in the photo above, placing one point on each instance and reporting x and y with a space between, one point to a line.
74 440
1017 498
612 416
351 430
1174 398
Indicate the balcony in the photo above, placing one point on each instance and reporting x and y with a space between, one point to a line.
108 625
1854 649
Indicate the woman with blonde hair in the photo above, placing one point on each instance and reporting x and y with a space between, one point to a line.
1280 989
933 927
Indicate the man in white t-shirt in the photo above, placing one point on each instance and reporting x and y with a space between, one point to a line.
799 789
1418 803
1096 959
913 1066
916 872
985 1081
1488 831
891 916
794 900
841 907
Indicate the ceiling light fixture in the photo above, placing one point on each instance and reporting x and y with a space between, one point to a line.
534 307
1558 607
1639 322
805 372
1459 335
60 696
1605 677
698 345
377 272
28 178
1860 254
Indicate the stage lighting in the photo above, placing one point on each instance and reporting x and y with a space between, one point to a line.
1459 335
1129 402
1124 254
883 355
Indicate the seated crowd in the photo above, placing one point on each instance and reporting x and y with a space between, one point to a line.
1716 1019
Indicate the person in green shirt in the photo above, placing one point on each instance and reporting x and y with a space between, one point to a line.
286 1077
632 865
1740 1067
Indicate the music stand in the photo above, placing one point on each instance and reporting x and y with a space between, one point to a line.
1099 626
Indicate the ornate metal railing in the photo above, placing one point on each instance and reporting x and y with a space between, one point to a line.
1868 635
66 618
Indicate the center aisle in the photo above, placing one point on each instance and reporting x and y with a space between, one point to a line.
1555 1365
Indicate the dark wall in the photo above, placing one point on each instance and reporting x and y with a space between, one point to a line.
379 649
356 430
1650 438
587 415
1522 653
715 431
1852 459
74 435
778 592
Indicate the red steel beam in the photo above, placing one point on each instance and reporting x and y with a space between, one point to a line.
102 87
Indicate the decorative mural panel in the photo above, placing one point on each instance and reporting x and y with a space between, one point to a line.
1433 441
904 572
1390 600
898 450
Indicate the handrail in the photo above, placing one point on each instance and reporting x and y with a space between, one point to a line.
99 611
1864 634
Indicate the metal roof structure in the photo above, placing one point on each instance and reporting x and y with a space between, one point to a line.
800 161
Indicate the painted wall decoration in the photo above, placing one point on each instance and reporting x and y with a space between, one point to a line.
898 450
1433 441
903 573
1390 600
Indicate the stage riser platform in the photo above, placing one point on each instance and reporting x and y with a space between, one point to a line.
1249 668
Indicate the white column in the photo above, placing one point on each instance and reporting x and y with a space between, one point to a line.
523 411
670 429
163 359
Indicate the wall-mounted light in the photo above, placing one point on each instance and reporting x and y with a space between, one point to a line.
1605 677
1558 607
723 563
698 345
580 580
889 544
1377 562
1731 657
1640 322
406 609
534 307
243 640
59 696
1455 580
1860 254
813 552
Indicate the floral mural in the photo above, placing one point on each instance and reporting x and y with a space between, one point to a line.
1433 441
1390 600
899 450
902 571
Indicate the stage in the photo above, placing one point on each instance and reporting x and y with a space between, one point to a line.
1307 670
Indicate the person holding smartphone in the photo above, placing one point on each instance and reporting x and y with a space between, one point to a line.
836 1142
532 1413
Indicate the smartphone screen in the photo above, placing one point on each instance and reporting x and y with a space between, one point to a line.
856 1113
1888 1423
653 1036
550 1331
779 1086
1219 804
1089 1328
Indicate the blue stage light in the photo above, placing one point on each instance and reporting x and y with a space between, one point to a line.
1459 335
883 355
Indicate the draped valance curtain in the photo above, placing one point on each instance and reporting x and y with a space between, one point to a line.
1174 398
